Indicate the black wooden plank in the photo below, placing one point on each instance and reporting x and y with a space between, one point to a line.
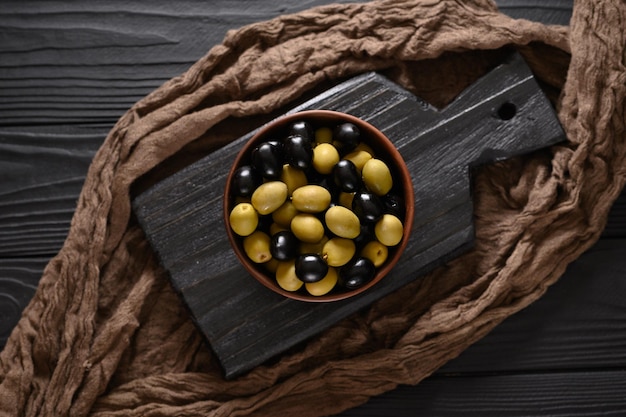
552 12
616 221
438 147
41 175
566 394
87 62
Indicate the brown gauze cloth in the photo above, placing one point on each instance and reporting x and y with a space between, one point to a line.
106 335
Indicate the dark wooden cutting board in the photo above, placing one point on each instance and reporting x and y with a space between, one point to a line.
503 114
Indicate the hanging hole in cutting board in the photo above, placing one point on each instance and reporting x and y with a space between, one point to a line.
507 111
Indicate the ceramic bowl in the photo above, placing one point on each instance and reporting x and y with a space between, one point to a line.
383 149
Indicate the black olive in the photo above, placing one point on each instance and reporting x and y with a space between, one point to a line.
298 152
245 181
311 267
302 128
367 207
265 222
267 158
366 235
346 137
329 184
357 273
314 177
284 245
394 204
346 176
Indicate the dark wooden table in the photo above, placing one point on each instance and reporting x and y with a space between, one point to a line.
69 70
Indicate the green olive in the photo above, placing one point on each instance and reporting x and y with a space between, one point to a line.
345 199
375 252
389 230
257 247
243 219
293 178
377 177
285 213
311 199
338 251
342 222
325 157
271 265
307 228
269 196
240 199
325 285
358 158
362 146
315 247
323 135
286 276
275 228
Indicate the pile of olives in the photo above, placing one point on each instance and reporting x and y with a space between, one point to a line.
317 208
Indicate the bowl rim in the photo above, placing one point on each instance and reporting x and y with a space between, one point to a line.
374 135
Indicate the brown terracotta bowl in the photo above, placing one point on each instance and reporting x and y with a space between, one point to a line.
383 149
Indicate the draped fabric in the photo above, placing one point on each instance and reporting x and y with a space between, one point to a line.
105 335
